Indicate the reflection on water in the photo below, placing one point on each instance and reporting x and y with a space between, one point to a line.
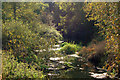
75 74
80 71
72 74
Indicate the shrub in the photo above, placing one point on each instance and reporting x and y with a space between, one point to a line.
69 48
48 31
96 58
19 37
13 69
100 47
63 44
23 39
84 52
94 53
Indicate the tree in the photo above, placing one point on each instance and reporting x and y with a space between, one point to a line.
107 18
71 21
24 31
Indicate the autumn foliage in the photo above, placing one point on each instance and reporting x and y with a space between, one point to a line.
106 16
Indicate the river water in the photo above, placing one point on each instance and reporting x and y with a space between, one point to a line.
80 70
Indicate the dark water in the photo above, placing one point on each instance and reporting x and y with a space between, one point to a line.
76 73
73 75
79 71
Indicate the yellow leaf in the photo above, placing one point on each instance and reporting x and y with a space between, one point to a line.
18 36
18 45
8 43
113 22
10 40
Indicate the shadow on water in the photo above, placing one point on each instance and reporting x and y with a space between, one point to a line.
80 71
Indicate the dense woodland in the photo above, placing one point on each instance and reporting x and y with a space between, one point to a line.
91 29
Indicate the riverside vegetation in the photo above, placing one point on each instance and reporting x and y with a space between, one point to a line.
30 32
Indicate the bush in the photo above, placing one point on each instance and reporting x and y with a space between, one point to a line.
84 51
48 32
13 69
63 44
22 39
69 48
94 53
19 37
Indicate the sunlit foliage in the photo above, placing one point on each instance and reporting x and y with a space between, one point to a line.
69 48
13 69
24 32
107 19
73 24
